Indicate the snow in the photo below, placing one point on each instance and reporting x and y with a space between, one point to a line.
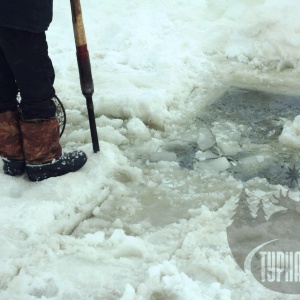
133 224
291 133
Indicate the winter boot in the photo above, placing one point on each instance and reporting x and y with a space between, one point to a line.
11 148
43 153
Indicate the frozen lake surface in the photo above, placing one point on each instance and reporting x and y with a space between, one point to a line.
195 101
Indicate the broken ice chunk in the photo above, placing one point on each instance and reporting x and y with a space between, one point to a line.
217 165
229 148
290 135
201 156
205 139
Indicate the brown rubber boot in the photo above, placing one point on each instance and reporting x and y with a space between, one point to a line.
43 153
40 140
11 148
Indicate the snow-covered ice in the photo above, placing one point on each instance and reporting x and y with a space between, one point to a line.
133 223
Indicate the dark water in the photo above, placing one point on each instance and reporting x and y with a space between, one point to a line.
262 115
261 112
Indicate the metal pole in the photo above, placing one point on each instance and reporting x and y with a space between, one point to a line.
84 67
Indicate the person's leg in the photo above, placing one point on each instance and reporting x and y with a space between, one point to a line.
11 148
27 56
8 86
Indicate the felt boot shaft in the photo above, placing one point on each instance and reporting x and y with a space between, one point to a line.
10 136
40 140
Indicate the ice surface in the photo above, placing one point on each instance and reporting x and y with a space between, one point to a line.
128 227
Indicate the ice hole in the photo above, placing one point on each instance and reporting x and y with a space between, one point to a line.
249 124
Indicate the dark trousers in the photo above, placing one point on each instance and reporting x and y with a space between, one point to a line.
26 66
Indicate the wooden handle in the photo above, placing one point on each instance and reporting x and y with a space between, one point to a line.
84 67
79 32
83 58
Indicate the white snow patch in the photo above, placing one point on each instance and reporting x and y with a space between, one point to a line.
123 228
